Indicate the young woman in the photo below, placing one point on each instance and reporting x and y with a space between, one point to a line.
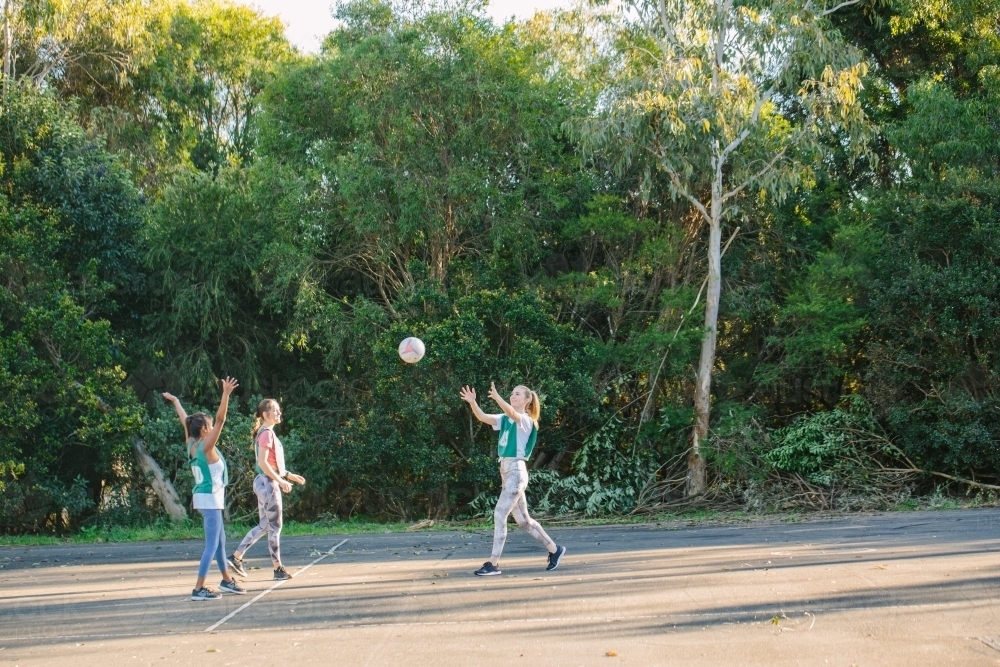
518 426
210 479
272 479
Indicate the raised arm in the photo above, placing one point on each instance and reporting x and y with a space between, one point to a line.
220 416
468 395
504 405
180 412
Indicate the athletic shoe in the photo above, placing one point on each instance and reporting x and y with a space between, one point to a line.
555 558
236 565
204 594
281 573
487 570
232 587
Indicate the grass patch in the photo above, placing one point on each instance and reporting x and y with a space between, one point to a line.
192 530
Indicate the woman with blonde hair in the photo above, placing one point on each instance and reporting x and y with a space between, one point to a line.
518 426
272 479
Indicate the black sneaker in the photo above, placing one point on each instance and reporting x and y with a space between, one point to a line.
236 565
487 570
280 574
555 558
204 593
232 587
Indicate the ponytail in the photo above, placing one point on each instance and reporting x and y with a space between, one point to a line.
263 407
533 408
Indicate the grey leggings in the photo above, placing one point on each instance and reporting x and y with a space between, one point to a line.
269 509
514 474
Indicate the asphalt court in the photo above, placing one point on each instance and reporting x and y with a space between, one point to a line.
903 588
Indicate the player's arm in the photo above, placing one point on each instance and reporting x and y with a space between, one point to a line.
220 415
468 395
507 408
179 409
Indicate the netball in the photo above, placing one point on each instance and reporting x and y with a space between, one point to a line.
411 350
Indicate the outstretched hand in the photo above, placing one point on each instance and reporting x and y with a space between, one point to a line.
468 394
167 396
228 385
494 394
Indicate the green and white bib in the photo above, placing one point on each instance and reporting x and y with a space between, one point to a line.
210 479
515 442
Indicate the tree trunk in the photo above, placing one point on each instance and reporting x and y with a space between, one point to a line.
697 473
8 46
162 487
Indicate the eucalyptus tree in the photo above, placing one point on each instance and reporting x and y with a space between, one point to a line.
190 89
724 101
47 39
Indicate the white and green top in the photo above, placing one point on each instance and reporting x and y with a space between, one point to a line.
210 479
517 438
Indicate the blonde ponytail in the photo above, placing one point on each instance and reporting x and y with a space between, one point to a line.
534 406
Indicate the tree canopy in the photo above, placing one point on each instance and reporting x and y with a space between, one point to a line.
744 251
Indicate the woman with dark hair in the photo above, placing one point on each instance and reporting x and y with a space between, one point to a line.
210 480
272 479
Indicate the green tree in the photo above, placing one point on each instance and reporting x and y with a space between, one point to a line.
46 41
933 372
69 217
726 100
425 174
169 82
208 244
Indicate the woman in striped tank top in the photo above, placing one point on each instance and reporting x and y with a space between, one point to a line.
210 479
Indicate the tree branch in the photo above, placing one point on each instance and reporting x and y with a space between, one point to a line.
846 3
760 174
676 181
668 29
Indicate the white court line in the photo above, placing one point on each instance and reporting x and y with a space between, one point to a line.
262 594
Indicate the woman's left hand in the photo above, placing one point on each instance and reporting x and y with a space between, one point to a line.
494 394
298 479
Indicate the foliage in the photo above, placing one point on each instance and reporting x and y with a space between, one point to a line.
935 304
183 197
606 478
170 83
723 102
208 240
69 216
822 448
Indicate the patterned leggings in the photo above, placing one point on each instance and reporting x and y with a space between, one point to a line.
514 474
269 509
